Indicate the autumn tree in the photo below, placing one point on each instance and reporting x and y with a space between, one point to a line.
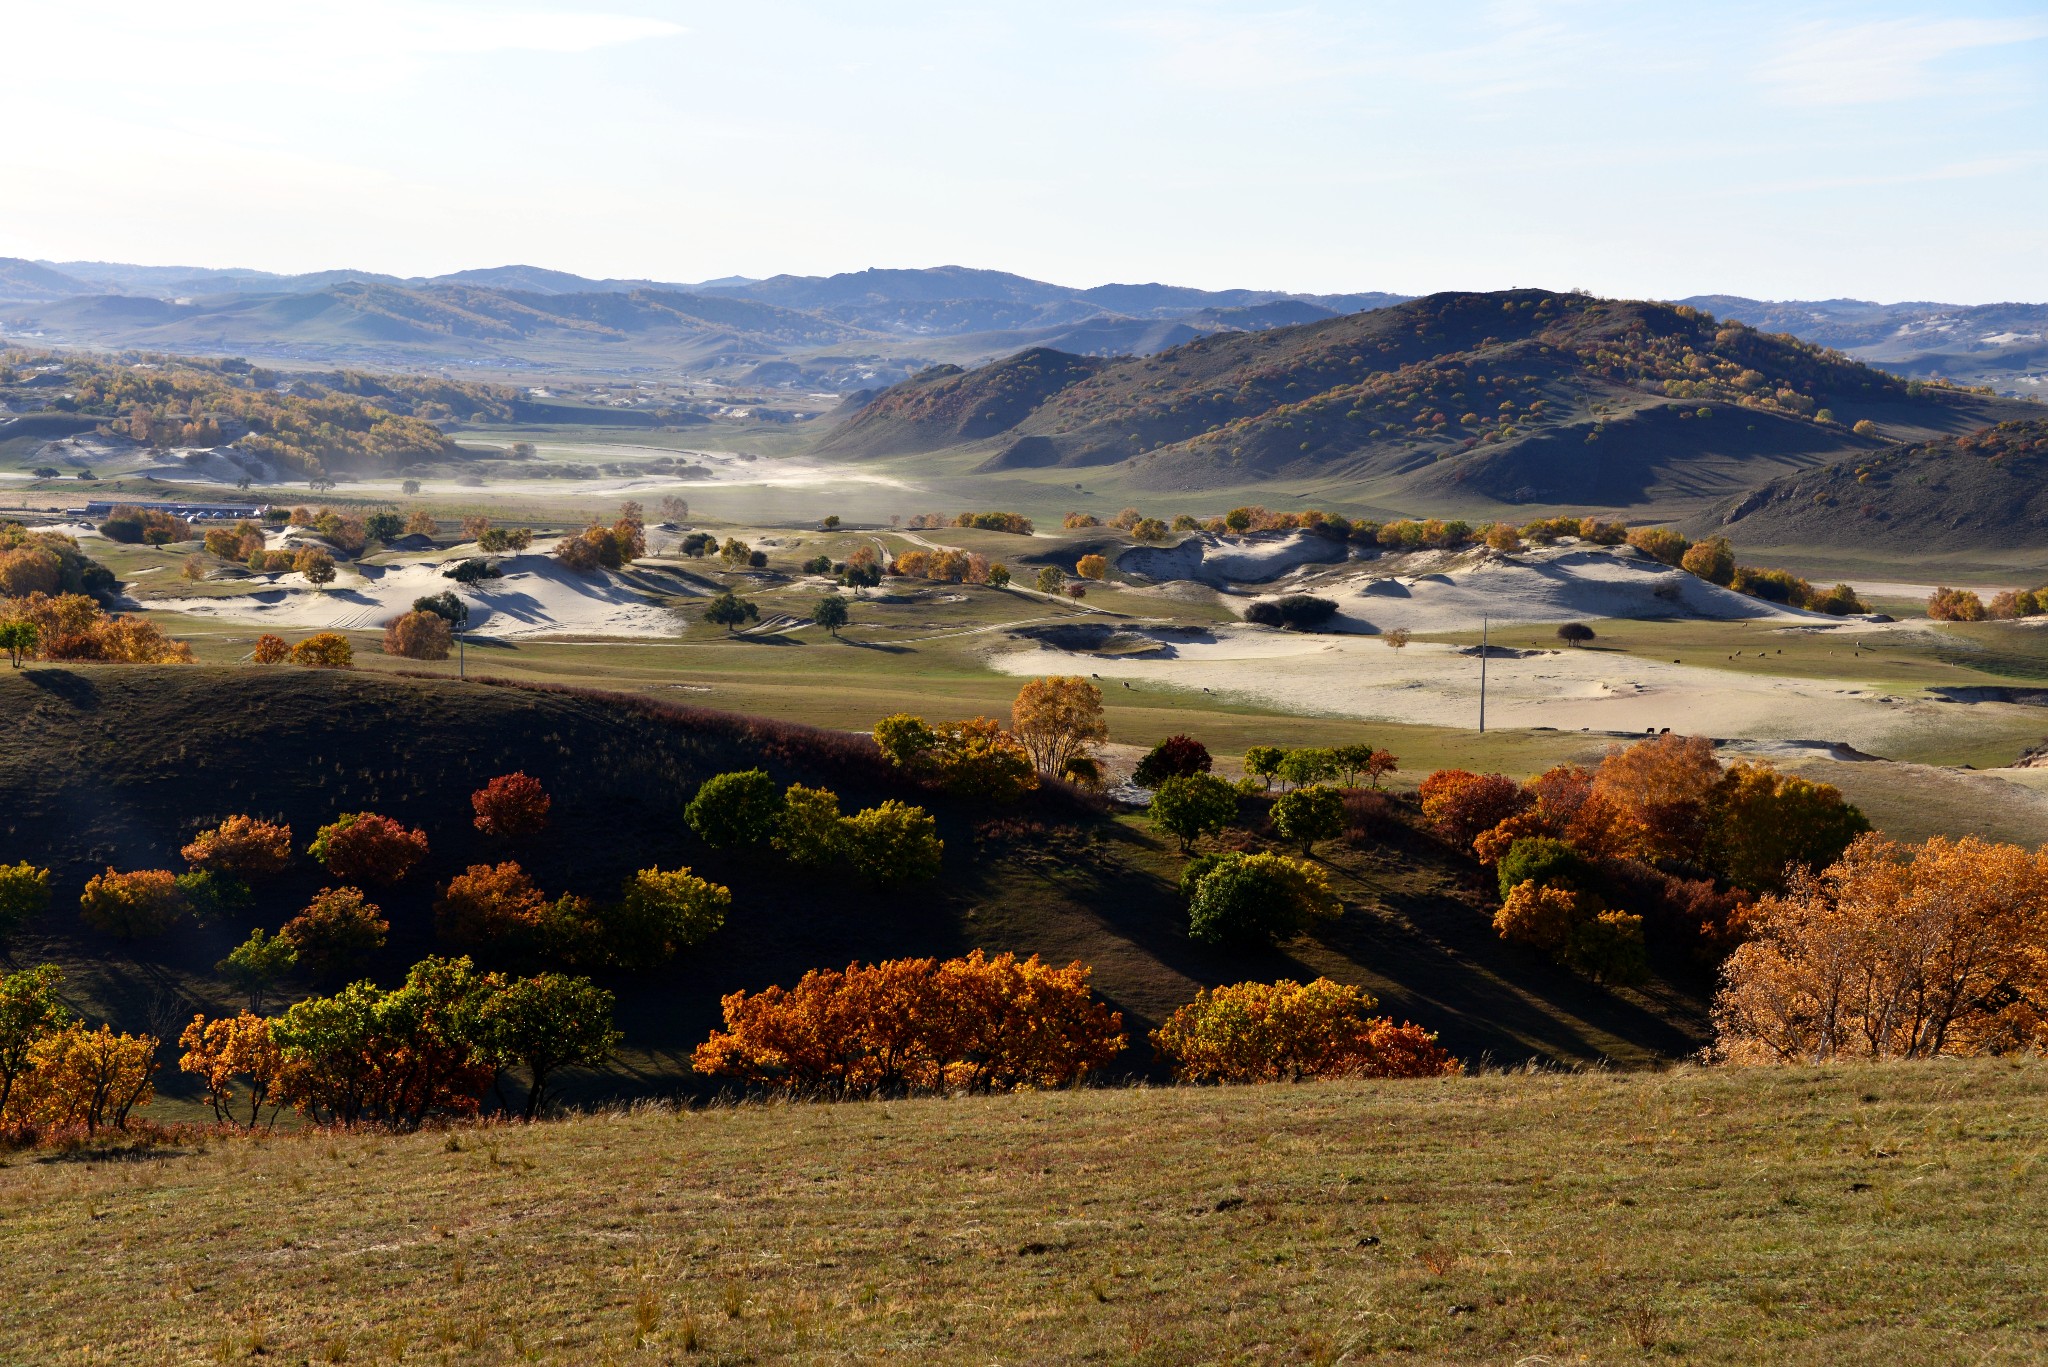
234 1049
337 931
93 1078
1461 804
1289 1032
127 905
1712 560
892 844
1576 929
1091 567
31 1010
734 810
490 905
324 650
1663 788
1263 762
367 1056
1243 900
271 650
1894 951
512 807
542 1025
1762 824
244 847
917 1025
418 636
1955 605
1308 815
1661 544
364 847
1190 806
1173 757
24 895
1056 719
317 565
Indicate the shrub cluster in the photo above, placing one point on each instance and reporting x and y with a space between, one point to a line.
1660 826
917 1025
1290 1032
887 844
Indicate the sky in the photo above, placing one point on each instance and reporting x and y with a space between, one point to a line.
1778 150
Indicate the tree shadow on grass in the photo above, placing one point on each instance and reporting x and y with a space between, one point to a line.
76 689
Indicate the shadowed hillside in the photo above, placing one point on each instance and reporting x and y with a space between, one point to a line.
1516 397
1986 490
122 765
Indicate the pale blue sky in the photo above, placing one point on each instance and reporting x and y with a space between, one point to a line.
1893 151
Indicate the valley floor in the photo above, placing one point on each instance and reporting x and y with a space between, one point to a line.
1839 1215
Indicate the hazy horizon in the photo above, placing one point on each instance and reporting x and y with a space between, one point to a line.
1888 151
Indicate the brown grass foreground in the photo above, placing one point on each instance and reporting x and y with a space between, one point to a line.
1838 1215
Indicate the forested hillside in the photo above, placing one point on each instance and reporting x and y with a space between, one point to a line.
303 424
1515 396
123 766
1980 491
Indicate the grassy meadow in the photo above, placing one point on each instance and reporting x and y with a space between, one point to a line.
1852 1214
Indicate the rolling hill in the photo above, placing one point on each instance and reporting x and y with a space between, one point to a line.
122 764
1521 396
1985 490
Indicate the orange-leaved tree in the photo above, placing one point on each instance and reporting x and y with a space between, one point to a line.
418 635
1289 1031
1056 720
324 650
218 1052
337 931
78 1076
363 847
244 847
910 1025
1461 804
487 904
1895 951
145 902
512 806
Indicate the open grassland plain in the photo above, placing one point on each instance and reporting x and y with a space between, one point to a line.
1857 1214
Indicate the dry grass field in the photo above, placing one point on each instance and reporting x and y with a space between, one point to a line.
1844 1215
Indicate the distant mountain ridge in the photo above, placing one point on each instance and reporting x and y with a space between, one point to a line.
1516 396
838 332
2001 345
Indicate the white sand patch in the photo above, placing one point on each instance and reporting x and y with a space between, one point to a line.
1457 591
1218 560
1568 690
536 597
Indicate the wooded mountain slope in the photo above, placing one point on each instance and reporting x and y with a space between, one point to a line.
1512 396
1981 491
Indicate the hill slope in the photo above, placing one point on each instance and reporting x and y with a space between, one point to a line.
120 765
1515 396
1986 490
1853 1214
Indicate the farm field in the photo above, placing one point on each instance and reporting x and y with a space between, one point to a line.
1851 1214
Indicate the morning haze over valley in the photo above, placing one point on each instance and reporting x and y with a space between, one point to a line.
1157 684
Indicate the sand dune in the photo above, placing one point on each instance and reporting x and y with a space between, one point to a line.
1567 690
536 597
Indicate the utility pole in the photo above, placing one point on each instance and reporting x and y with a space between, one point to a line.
1483 625
462 669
